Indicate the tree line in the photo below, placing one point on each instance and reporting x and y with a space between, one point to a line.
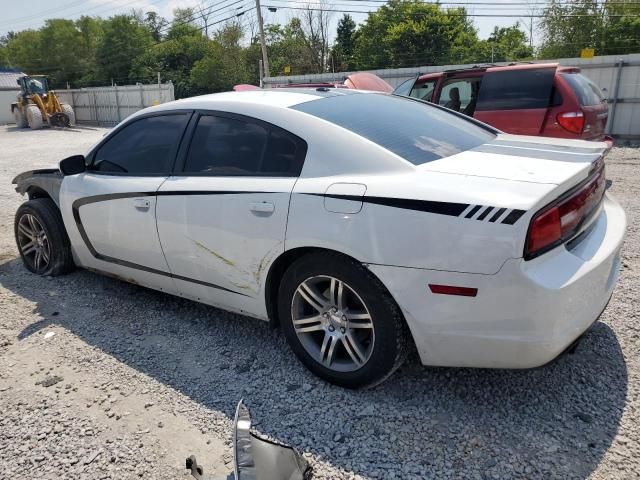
197 58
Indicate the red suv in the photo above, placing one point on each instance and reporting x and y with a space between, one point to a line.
526 99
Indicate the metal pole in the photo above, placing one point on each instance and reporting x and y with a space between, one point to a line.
260 73
263 45
616 90
115 88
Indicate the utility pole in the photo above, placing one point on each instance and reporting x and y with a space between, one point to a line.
265 60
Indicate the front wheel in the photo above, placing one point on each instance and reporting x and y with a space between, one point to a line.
41 238
34 117
340 321
68 111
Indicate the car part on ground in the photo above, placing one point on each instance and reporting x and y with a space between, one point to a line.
256 458
421 215
37 105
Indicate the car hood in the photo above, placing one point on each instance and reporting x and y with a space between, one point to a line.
525 159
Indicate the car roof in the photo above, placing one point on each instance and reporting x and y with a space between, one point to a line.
280 97
484 68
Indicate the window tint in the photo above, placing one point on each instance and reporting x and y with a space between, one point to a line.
228 146
416 131
423 91
588 92
516 89
146 146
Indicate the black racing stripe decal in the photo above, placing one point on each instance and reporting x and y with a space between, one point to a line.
441 208
496 216
473 211
513 217
486 212
75 207
170 193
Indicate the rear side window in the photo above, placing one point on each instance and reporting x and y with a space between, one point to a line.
224 146
588 92
413 130
144 147
516 89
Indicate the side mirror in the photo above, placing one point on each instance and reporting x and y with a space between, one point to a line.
73 165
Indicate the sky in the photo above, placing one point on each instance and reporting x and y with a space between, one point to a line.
14 16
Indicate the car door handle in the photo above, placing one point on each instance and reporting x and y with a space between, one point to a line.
142 204
262 207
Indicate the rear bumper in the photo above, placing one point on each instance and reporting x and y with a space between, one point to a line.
523 316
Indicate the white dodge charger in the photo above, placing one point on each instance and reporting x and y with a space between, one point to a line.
360 223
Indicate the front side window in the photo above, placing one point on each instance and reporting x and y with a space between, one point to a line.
413 130
143 147
224 146
405 87
423 91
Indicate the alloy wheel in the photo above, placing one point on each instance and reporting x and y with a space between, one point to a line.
33 242
332 323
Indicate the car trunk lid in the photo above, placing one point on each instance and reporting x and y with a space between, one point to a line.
527 159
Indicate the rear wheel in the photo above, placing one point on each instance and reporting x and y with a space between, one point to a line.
41 238
340 321
21 122
34 116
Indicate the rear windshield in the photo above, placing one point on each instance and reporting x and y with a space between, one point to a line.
588 92
414 130
516 89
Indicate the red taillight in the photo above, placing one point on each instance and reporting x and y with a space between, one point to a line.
571 121
558 222
545 230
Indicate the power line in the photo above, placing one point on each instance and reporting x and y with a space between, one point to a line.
420 14
100 7
51 10
195 15
54 68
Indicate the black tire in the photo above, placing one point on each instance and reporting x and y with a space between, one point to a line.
391 344
56 242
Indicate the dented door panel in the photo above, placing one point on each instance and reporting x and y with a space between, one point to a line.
223 233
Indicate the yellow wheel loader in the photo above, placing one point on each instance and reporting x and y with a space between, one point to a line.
36 105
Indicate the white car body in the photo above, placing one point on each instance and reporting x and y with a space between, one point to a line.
216 239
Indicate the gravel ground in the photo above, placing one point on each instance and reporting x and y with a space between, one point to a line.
102 379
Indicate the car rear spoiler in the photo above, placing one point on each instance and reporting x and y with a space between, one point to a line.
256 458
